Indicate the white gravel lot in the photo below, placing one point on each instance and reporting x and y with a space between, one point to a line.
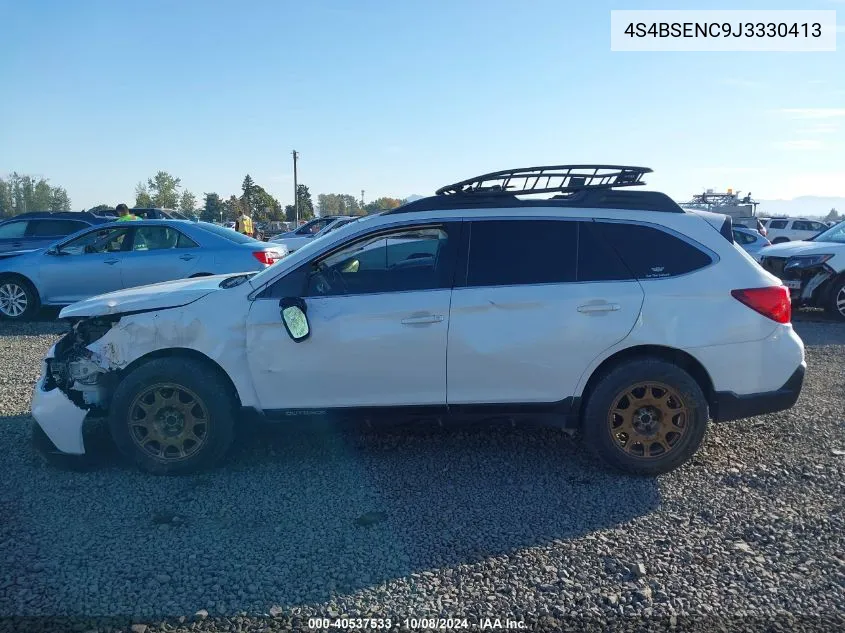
464 522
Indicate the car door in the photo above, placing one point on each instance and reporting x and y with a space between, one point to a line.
12 235
378 309
85 266
539 301
159 253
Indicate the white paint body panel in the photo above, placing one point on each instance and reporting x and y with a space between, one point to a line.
57 416
360 353
523 344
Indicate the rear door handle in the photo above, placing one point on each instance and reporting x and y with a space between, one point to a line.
110 261
186 257
423 319
588 308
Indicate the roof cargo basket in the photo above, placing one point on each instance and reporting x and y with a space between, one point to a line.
561 179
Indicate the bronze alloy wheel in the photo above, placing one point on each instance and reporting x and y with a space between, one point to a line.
647 419
168 422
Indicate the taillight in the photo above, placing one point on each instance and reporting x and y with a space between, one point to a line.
267 258
772 301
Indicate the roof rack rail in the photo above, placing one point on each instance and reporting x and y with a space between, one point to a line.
548 179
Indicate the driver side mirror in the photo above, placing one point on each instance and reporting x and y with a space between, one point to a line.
295 319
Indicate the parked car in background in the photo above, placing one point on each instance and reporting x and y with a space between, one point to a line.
813 270
301 236
34 230
599 311
275 228
153 213
788 229
751 223
124 255
749 239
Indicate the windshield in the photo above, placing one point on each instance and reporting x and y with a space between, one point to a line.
836 233
315 245
230 234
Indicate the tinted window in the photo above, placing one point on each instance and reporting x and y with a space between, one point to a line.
13 229
652 253
230 234
743 238
817 226
405 260
777 224
801 225
151 238
596 260
55 228
517 252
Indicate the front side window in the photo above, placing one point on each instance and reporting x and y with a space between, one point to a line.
650 252
410 259
102 241
519 252
13 229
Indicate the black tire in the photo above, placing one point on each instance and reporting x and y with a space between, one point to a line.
780 240
12 287
836 305
163 380
603 439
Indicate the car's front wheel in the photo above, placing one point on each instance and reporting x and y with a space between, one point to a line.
173 416
836 306
646 416
18 299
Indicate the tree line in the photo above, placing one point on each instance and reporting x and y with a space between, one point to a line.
163 190
20 193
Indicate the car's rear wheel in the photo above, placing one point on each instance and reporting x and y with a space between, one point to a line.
18 299
173 416
646 416
836 306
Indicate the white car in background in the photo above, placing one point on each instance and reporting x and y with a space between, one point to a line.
780 230
317 227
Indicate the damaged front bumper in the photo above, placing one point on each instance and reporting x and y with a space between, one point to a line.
72 384
57 416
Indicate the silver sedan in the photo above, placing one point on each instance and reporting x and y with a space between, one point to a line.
121 255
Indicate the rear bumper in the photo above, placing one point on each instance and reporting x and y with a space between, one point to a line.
729 406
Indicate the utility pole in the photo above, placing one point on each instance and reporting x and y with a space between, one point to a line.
295 188
362 198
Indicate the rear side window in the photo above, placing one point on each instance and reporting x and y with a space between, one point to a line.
55 228
743 238
777 224
651 253
519 252
597 261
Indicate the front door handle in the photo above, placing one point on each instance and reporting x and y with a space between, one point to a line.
110 261
186 257
588 308
423 319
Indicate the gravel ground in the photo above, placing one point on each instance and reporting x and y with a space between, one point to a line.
411 522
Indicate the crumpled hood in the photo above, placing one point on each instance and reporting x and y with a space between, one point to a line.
168 294
792 249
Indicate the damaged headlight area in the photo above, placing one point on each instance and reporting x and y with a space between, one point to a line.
806 261
76 371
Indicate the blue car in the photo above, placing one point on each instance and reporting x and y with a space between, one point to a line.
38 229
120 255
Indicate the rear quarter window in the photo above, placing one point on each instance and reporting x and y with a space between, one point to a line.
650 252
230 234
777 224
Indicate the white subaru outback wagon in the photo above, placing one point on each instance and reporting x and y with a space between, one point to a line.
600 308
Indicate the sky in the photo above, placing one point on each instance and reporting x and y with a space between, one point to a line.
400 98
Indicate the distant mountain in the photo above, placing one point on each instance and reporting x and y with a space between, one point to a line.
803 205
413 196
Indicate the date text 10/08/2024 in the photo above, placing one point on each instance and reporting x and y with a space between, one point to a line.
415 624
